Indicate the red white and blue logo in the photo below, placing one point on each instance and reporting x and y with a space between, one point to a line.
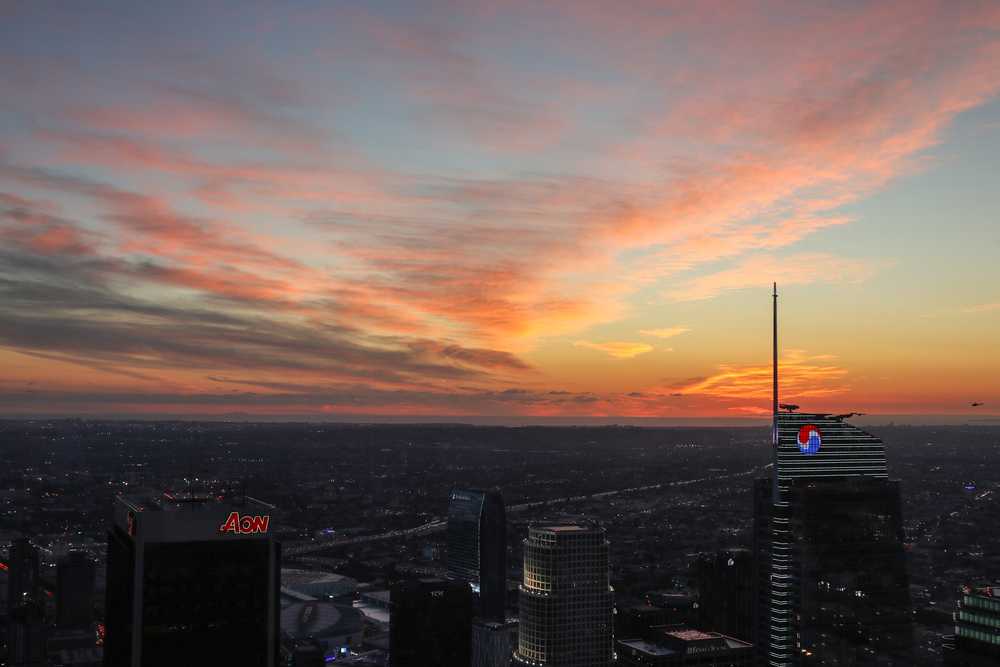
809 439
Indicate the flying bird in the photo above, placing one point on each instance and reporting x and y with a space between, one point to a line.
848 415
791 407
976 404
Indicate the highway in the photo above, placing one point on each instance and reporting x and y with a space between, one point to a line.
439 523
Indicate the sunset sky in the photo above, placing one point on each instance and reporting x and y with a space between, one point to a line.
541 209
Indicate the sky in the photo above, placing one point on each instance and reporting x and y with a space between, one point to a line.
563 210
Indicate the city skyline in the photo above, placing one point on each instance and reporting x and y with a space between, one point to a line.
513 213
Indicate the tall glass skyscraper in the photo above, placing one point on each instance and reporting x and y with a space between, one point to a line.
831 579
191 581
566 600
477 547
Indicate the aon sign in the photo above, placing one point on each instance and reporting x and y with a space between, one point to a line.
245 524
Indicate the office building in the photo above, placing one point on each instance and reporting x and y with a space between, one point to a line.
22 573
75 577
430 623
191 580
976 642
831 575
566 601
25 606
636 621
26 635
668 646
477 547
830 578
680 607
493 643
724 580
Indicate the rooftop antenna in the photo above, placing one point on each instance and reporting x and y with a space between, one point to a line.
775 496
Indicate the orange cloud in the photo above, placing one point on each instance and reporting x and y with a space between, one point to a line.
665 332
794 269
451 243
983 308
801 376
617 349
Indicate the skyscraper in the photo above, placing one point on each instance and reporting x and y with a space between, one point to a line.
25 608
977 629
493 643
75 576
724 580
566 602
430 623
192 580
477 547
22 573
831 580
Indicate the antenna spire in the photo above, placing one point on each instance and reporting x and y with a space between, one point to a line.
774 354
774 393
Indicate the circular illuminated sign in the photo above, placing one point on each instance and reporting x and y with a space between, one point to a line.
809 439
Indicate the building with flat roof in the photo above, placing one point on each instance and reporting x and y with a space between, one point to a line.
724 580
430 623
317 583
566 601
192 580
76 574
679 645
493 642
25 606
338 628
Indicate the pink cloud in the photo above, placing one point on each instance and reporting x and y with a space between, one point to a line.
757 271
682 149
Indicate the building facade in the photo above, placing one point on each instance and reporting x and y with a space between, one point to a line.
75 579
191 580
477 547
25 606
668 646
566 601
493 643
977 629
831 581
430 623
724 580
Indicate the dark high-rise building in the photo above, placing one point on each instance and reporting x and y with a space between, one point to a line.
75 576
430 623
26 635
977 629
678 645
477 547
25 607
636 621
191 581
831 580
22 573
680 607
493 643
566 602
725 592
